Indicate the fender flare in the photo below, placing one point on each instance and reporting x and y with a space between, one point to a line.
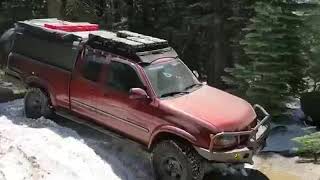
41 83
171 130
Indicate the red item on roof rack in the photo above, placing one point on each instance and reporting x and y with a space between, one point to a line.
72 27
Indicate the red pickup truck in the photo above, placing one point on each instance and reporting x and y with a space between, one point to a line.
137 86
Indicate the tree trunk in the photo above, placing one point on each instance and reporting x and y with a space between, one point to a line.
217 61
236 50
54 8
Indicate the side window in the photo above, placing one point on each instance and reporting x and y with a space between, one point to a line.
122 77
92 67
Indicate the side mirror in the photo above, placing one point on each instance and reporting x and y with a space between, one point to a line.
196 74
138 93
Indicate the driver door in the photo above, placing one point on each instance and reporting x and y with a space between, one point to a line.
115 107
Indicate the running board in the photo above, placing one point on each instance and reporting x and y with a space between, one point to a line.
95 126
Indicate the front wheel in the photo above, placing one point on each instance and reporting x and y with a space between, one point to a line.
177 161
37 104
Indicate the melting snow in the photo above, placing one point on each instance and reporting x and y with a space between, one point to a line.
41 149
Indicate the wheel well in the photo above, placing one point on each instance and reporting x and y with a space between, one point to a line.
166 136
36 85
43 89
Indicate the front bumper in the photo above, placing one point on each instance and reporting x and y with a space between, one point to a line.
257 137
243 155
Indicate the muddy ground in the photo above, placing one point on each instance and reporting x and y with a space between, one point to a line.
277 167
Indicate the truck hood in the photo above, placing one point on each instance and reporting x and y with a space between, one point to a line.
222 110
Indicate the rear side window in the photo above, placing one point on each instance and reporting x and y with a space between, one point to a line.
92 67
59 54
122 77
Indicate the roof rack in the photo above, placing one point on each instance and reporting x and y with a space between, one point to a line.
87 31
127 41
129 44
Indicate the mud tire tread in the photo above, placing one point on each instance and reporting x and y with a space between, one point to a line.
194 160
46 111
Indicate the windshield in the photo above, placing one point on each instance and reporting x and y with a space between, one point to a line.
171 78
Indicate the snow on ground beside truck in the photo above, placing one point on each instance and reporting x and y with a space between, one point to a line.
28 153
41 149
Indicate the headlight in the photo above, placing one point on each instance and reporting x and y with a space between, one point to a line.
225 141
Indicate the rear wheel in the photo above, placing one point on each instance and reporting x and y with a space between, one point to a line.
177 161
37 104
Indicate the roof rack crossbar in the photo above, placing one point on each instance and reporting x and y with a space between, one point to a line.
126 34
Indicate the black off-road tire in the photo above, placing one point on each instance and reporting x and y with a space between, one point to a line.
183 156
37 104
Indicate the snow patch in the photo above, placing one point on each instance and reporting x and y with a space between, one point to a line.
42 149
28 153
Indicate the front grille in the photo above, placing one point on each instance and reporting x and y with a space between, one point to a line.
245 136
243 139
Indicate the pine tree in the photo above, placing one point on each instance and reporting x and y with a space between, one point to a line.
200 30
311 40
12 11
275 68
109 14
309 146
241 12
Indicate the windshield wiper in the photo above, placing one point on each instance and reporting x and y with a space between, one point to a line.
192 86
174 93
181 92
